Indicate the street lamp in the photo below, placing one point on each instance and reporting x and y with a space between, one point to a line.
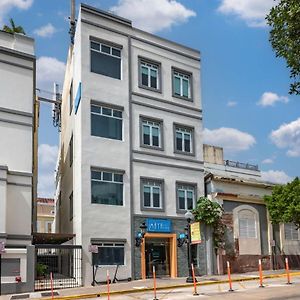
140 235
189 217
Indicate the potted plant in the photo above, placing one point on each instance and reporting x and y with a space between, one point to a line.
41 270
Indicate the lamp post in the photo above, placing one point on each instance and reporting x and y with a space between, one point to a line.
189 217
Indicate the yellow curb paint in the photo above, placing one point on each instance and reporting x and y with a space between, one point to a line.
168 287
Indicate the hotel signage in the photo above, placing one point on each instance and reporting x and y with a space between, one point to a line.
159 225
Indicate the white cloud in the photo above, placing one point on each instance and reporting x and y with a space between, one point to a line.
231 103
268 161
230 139
288 136
279 177
154 15
270 99
7 5
253 12
47 162
45 31
49 70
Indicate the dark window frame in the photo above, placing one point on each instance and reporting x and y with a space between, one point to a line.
159 72
185 73
161 183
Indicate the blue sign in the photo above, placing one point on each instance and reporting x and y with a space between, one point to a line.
159 225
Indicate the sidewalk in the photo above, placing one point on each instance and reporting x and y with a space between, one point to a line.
146 285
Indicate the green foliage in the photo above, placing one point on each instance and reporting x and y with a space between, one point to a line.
210 213
41 270
284 20
13 29
284 203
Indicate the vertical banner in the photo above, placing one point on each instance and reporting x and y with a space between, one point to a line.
195 233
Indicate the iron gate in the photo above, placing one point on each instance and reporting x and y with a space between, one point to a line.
63 261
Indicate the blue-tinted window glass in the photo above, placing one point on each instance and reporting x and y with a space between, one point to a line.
185 88
155 136
107 176
176 86
181 196
106 127
156 197
178 141
146 134
187 143
147 196
107 193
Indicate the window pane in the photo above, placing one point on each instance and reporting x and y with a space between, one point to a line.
106 127
185 88
118 177
107 176
96 175
107 193
95 46
106 111
187 143
105 49
146 134
117 113
105 65
153 79
190 199
156 197
178 141
145 76
116 52
176 86
147 192
155 136
181 196
96 109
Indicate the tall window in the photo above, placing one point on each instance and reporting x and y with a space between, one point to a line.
185 197
291 232
71 97
107 187
247 227
149 75
152 193
151 133
71 146
183 139
71 207
109 254
106 122
181 84
106 59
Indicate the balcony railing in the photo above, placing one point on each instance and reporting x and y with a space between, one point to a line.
236 164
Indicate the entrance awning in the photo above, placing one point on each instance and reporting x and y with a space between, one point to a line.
51 238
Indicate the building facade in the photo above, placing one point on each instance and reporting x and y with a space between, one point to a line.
239 188
45 215
130 147
17 183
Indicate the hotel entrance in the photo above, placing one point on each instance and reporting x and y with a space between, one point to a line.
159 250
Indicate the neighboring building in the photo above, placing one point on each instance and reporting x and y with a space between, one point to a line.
240 189
129 148
45 215
17 163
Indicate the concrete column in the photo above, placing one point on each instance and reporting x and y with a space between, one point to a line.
209 250
3 200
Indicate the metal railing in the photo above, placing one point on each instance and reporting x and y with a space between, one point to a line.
63 261
236 164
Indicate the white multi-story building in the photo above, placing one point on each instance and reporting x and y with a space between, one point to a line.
17 184
130 146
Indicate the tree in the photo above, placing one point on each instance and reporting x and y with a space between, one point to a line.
13 29
284 203
284 20
210 213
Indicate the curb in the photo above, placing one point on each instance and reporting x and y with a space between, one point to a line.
183 285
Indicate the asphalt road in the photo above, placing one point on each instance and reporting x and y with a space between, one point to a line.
275 289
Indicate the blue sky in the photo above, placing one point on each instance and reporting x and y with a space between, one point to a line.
246 105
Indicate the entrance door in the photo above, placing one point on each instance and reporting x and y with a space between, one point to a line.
157 252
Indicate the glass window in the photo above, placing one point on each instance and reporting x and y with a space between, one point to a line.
105 60
185 197
149 75
183 140
71 97
181 84
107 187
291 232
151 133
247 228
106 122
71 146
152 194
109 254
71 207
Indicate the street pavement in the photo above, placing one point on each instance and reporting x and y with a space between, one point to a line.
275 289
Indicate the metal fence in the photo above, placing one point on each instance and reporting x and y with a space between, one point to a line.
63 261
